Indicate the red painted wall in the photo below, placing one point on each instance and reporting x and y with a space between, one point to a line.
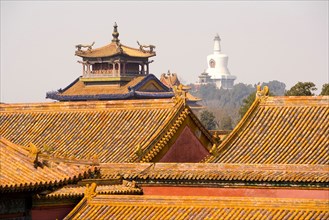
51 213
187 148
236 192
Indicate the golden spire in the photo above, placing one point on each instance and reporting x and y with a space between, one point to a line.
115 33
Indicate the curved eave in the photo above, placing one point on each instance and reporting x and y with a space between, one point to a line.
132 94
37 186
112 50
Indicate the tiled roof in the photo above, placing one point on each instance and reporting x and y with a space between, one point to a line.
19 171
195 207
127 188
210 173
78 90
170 79
113 131
113 49
280 130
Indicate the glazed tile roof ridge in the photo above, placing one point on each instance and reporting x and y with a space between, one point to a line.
273 127
156 145
197 207
295 101
79 106
289 174
58 125
113 49
72 191
21 170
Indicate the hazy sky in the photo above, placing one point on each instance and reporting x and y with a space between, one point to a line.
265 40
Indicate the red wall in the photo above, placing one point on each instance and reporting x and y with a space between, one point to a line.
51 213
187 148
238 192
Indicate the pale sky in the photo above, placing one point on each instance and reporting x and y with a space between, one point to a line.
265 40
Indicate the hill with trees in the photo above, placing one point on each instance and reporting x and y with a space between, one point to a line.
225 104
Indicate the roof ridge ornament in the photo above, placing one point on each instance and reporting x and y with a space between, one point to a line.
262 94
34 153
90 191
180 94
115 33
89 46
141 48
138 150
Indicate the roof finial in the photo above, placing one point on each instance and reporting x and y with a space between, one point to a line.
115 33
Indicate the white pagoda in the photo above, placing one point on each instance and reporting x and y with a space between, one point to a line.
217 67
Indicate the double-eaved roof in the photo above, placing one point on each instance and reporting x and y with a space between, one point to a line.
112 131
279 130
197 207
20 170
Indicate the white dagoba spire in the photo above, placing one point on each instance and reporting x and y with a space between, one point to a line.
217 67
217 44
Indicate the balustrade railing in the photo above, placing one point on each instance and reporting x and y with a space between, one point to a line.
105 75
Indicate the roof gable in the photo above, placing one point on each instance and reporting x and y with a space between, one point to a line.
280 130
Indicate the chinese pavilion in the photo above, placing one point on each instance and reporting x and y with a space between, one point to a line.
113 72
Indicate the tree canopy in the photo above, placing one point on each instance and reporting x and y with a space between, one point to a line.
247 102
207 118
325 89
225 103
301 89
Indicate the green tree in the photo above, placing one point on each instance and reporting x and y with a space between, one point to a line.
275 87
207 118
226 123
301 89
325 89
246 103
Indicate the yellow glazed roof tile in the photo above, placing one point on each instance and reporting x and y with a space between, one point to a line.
108 130
199 172
126 188
20 171
197 207
113 49
280 130
79 88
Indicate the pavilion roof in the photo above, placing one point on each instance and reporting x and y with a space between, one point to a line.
78 90
24 170
113 49
197 207
279 130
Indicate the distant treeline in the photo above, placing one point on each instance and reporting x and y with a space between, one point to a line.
226 103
